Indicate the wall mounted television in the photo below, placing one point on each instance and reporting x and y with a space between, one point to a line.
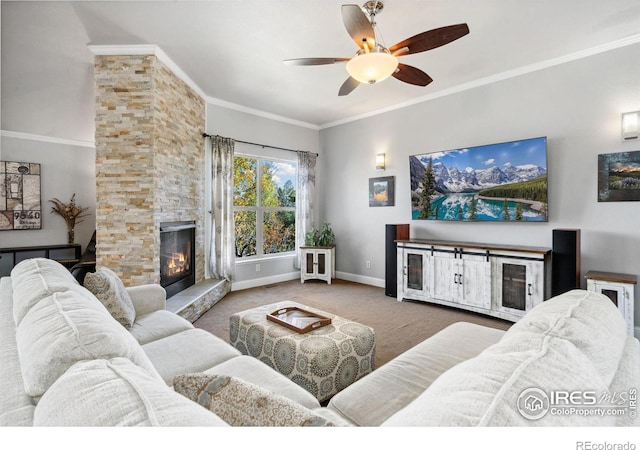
497 182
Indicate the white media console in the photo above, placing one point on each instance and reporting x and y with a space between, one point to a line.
503 281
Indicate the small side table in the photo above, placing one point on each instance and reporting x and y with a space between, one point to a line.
318 263
619 287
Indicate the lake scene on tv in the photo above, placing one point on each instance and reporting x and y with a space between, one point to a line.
497 182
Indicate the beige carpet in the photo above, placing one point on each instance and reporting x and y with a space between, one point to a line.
398 325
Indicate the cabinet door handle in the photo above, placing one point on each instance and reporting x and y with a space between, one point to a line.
529 289
455 278
459 278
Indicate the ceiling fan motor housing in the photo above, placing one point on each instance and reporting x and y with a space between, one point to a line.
373 7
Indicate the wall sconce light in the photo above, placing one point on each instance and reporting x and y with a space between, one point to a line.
380 161
630 125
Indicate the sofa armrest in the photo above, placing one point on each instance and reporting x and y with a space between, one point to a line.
147 298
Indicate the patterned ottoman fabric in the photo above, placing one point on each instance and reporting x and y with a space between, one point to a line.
323 361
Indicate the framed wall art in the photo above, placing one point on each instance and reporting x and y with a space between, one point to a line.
381 191
496 182
20 204
619 177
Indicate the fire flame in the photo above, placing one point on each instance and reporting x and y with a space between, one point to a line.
177 264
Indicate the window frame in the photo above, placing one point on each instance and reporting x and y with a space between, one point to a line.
260 210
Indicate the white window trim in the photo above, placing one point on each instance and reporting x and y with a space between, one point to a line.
260 210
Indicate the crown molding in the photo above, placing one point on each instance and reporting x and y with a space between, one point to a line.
634 39
257 112
50 139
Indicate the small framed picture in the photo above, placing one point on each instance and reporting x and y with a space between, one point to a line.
619 177
381 191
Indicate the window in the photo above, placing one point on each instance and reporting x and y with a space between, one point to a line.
264 211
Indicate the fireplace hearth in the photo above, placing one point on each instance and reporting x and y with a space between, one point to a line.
177 256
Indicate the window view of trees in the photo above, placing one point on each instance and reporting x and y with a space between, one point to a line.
264 212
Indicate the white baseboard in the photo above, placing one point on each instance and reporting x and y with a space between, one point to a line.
256 282
378 282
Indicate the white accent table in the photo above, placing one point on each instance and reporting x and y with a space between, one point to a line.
318 263
619 287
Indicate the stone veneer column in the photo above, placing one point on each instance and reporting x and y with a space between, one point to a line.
149 163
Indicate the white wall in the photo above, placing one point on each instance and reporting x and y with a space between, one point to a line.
253 128
577 105
65 169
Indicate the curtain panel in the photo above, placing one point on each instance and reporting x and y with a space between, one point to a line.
222 245
304 202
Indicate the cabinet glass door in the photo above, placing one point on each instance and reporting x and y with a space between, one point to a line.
614 292
309 266
414 271
322 263
611 293
514 286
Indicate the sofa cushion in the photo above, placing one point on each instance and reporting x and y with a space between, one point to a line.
157 325
370 401
16 407
147 298
240 403
35 279
627 380
255 371
65 328
588 320
486 390
193 350
109 289
116 392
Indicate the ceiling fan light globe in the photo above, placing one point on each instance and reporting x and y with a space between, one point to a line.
372 67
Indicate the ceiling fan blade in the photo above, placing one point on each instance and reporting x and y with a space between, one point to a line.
357 24
430 39
412 75
348 86
313 61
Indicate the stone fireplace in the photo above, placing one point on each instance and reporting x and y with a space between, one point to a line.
149 165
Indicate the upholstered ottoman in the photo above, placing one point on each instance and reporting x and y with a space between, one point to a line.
323 361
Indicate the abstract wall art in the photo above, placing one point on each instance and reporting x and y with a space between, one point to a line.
20 204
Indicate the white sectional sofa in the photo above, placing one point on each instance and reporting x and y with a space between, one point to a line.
60 344
64 360
572 352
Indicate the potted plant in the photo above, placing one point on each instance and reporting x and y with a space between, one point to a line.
323 237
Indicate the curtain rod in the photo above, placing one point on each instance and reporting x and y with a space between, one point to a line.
254 143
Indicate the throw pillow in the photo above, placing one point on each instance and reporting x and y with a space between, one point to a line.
240 403
108 288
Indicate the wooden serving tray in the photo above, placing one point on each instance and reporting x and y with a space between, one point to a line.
298 320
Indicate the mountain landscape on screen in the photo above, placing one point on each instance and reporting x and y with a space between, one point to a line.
505 181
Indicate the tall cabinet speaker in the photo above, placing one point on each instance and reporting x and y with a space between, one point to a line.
393 233
565 261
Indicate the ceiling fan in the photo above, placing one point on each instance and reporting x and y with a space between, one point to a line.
373 62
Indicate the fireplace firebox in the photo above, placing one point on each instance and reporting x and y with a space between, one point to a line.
177 256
